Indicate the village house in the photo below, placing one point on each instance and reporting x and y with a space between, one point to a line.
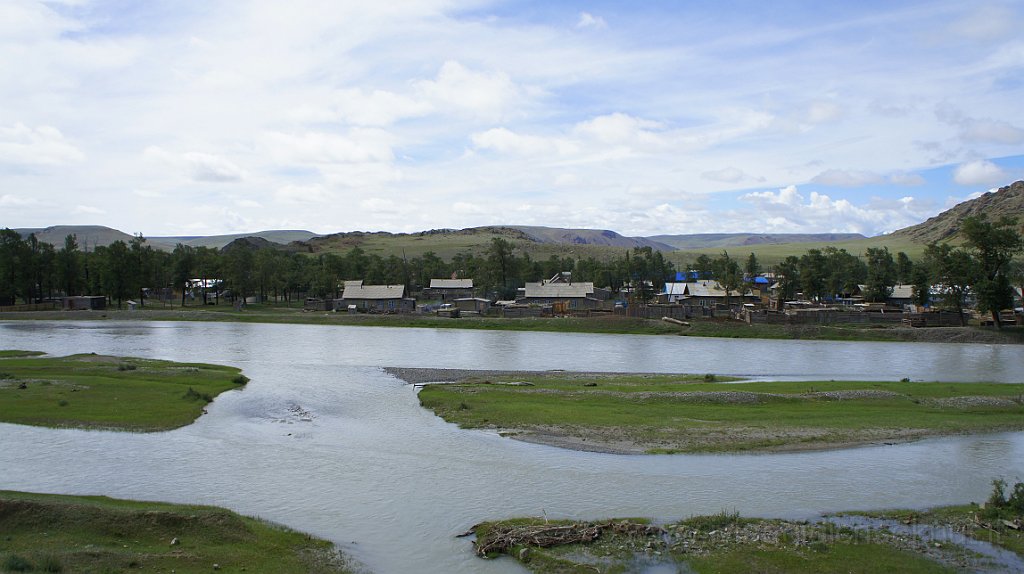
560 288
702 294
375 298
448 290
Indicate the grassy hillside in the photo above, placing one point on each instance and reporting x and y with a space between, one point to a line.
218 241
88 235
771 254
589 237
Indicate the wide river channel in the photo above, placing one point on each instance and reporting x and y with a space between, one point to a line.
324 441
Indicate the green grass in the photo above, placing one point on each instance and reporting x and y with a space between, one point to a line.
11 354
99 535
769 254
656 413
96 391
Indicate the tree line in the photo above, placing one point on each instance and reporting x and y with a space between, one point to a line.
981 266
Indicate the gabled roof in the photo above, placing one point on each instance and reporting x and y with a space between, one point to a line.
902 292
451 283
705 289
558 290
675 289
373 291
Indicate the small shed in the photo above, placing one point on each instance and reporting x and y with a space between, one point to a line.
473 304
314 304
85 303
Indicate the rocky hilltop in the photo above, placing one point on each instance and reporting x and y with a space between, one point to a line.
1006 201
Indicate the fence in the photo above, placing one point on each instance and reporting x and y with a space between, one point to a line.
48 306
826 317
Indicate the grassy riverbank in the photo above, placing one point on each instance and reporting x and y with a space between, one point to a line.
667 414
280 313
99 535
96 391
722 543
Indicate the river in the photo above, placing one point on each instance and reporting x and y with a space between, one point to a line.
392 484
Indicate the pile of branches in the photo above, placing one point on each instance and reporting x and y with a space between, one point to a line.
500 538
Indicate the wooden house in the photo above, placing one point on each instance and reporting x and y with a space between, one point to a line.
449 289
375 298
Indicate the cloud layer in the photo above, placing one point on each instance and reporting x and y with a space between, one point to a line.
235 116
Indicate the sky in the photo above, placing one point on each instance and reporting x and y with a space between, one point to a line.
203 117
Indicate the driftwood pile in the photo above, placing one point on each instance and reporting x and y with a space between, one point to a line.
501 538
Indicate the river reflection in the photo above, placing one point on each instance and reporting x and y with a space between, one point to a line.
392 484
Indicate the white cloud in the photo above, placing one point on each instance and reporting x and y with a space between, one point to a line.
42 145
303 194
979 130
588 20
991 131
978 172
88 210
620 128
846 178
8 200
823 112
789 210
360 145
908 179
357 107
986 23
379 205
729 175
197 166
211 168
484 95
504 140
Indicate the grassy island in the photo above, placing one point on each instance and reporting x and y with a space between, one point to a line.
103 392
99 535
686 413
891 541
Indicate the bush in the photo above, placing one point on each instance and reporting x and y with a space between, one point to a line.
63 403
15 563
192 395
51 563
240 380
710 378
999 505
126 367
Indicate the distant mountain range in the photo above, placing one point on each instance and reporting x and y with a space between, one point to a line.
1008 200
725 240
90 236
